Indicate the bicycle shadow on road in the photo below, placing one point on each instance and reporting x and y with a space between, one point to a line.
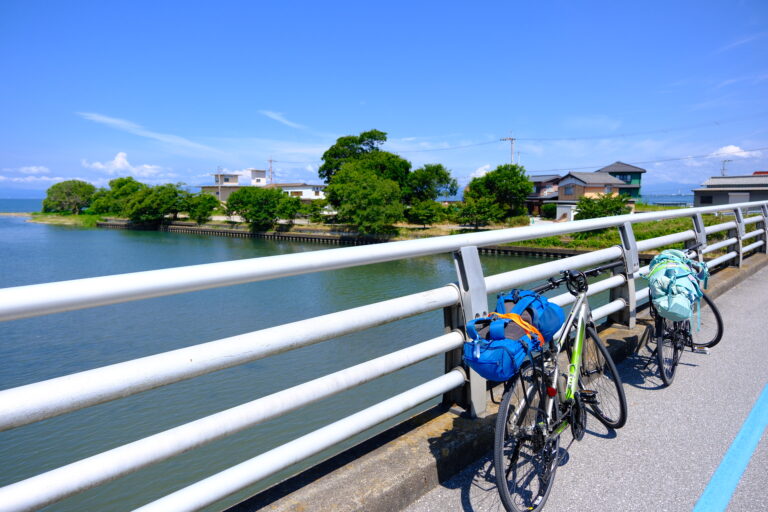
477 481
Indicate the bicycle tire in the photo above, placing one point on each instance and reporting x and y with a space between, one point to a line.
710 332
668 348
525 465
599 374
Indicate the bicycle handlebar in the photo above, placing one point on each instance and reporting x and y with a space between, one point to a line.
553 283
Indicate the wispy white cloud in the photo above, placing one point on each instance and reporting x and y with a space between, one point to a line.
121 165
136 129
33 179
734 151
34 169
480 171
742 41
280 118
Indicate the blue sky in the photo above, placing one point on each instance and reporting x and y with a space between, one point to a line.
170 91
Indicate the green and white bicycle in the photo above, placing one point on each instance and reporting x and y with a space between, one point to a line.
541 401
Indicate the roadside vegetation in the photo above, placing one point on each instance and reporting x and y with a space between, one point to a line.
369 192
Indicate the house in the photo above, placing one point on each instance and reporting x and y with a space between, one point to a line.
544 189
303 191
630 175
224 185
732 189
575 185
258 177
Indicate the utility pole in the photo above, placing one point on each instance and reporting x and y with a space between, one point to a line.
722 169
271 177
512 147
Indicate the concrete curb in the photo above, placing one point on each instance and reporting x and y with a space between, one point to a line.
396 467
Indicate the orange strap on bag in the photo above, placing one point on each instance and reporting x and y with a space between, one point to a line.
528 328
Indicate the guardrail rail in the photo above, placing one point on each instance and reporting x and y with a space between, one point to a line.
462 300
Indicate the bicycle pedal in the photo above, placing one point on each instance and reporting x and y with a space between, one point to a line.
588 396
701 350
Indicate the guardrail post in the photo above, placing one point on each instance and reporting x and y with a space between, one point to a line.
631 256
737 233
701 236
764 248
474 303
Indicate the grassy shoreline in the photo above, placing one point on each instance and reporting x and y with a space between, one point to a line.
592 240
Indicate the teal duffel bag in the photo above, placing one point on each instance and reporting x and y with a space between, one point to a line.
674 286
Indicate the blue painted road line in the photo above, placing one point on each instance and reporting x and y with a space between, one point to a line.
723 483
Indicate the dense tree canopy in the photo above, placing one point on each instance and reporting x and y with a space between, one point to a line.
480 212
365 199
115 199
150 205
424 212
430 182
262 207
604 205
201 207
347 148
507 185
69 196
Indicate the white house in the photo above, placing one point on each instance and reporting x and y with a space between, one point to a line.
303 191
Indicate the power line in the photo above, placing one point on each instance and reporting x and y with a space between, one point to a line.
593 137
660 160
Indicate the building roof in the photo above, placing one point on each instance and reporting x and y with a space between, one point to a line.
620 167
284 185
762 188
591 178
759 180
540 178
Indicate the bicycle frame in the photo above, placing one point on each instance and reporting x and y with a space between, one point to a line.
580 314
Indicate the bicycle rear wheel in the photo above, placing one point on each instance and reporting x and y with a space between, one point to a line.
668 348
598 374
709 333
524 462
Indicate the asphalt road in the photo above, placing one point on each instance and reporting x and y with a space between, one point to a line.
674 440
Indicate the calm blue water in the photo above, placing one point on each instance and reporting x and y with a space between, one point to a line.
21 205
46 347
668 198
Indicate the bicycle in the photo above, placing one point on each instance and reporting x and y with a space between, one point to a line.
539 403
673 337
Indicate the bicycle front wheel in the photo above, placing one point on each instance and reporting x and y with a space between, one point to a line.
710 330
668 348
598 374
524 461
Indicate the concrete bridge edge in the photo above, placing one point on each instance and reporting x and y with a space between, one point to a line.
395 468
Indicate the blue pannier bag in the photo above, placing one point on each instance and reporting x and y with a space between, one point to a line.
546 316
499 345
674 286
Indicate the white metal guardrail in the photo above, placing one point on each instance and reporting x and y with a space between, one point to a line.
42 400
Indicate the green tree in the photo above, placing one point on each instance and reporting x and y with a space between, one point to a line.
150 205
288 207
260 207
549 210
69 196
480 212
388 166
604 205
314 210
424 212
430 182
347 148
365 199
201 207
507 185
115 199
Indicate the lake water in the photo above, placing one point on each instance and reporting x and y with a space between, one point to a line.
45 347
